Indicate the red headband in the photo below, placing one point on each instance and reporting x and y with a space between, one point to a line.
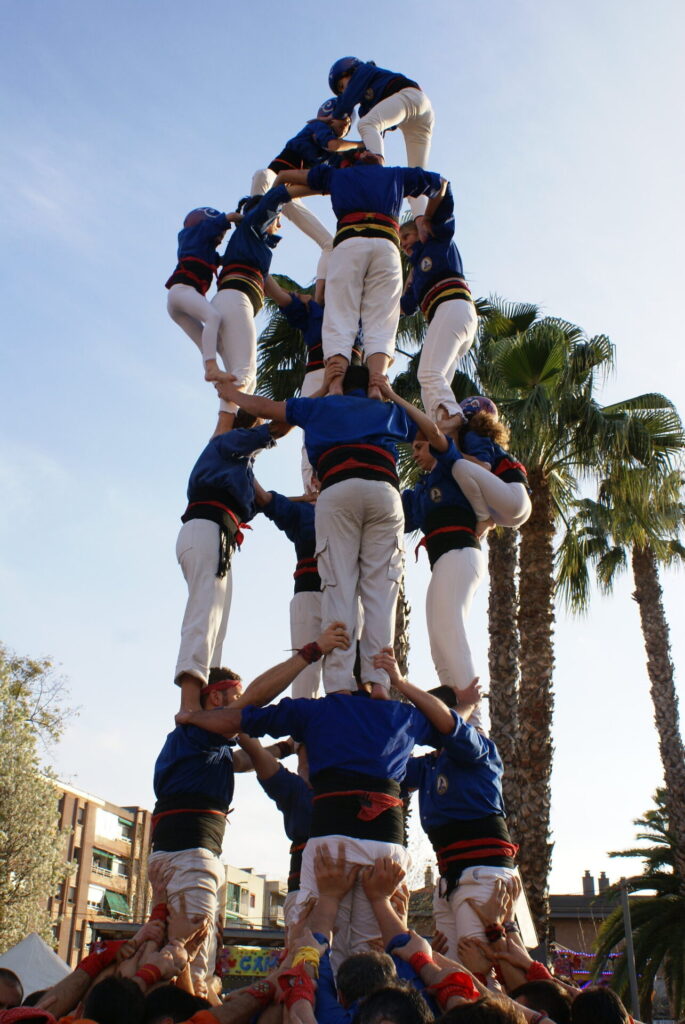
220 684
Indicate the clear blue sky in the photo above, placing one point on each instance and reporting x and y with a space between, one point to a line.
560 127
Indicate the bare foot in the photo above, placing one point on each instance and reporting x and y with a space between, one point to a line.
211 369
335 387
379 692
375 392
450 425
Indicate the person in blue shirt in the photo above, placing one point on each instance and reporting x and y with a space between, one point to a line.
240 291
438 508
351 442
495 483
321 138
462 812
305 313
220 499
358 751
364 280
203 230
437 286
386 99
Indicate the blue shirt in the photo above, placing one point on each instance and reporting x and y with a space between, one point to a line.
195 761
224 469
434 490
296 520
437 259
311 143
250 244
370 188
349 419
365 87
348 733
293 797
462 782
306 317
201 240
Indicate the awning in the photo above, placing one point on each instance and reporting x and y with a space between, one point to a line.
102 853
116 904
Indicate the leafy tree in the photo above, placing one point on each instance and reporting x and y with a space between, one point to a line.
658 921
31 844
638 518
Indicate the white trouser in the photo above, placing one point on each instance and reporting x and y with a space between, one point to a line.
198 318
507 504
209 598
355 926
454 917
364 281
410 110
237 342
305 626
454 580
360 550
449 336
300 216
311 383
195 879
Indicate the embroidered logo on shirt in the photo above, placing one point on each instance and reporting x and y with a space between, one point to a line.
368 95
426 263
435 494
442 784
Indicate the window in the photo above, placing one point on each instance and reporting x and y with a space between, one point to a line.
232 898
81 815
252 900
72 894
78 939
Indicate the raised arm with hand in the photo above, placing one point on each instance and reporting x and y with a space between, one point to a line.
437 713
428 428
255 405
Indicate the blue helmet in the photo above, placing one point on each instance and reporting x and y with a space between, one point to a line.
340 68
199 214
327 107
478 403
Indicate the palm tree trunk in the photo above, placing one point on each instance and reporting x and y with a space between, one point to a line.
655 631
536 699
503 659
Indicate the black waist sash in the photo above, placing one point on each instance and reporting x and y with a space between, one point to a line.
193 271
449 527
306 576
364 461
185 821
397 83
357 805
481 842
228 521
296 851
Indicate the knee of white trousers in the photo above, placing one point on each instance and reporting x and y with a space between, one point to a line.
370 135
262 181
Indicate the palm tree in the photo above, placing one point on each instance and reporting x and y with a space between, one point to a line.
658 921
639 514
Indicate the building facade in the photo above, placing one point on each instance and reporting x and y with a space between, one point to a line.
107 850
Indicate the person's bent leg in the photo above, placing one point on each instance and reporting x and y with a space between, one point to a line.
311 383
381 564
417 129
387 114
179 303
454 580
197 550
237 339
507 504
309 224
449 336
262 181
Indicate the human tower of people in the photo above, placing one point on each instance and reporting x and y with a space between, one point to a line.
354 744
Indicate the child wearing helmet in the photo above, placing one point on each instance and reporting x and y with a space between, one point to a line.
495 483
203 230
386 99
321 138
437 285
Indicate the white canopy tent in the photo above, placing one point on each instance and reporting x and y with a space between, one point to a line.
35 963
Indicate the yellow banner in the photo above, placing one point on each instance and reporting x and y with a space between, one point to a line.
248 960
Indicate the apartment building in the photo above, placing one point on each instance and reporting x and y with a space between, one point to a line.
107 850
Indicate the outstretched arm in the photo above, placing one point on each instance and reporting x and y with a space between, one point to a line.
273 291
428 428
292 178
437 713
256 405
